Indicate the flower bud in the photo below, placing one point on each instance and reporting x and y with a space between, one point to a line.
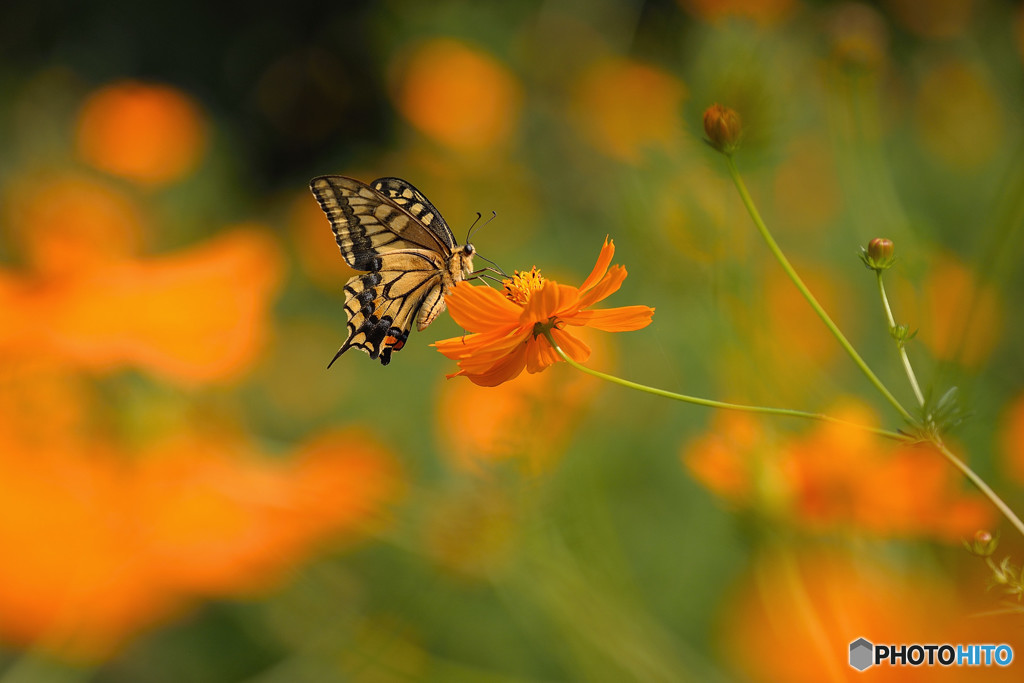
723 128
880 249
983 544
879 254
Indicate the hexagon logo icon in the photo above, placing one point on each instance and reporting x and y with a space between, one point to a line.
861 654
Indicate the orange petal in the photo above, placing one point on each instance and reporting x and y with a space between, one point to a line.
481 360
504 370
479 345
544 303
603 259
539 355
608 285
622 319
479 309
573 347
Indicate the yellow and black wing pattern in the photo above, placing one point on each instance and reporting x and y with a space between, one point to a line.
390 230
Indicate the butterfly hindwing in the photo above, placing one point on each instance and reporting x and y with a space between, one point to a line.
382 304
367 223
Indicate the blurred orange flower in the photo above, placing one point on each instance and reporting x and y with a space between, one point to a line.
107 226
625 107
152 134
100 545
527 419
507 328
795 334
799 613
836 476
458 95
964 317
197 315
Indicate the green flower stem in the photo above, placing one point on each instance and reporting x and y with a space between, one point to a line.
979 482
786 412
764 410
899 343
786 266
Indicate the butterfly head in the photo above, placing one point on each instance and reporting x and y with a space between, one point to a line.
463 261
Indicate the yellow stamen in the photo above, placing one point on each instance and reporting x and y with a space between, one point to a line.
520 286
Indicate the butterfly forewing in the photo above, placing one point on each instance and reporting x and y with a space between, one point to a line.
412 200
366 223
392 231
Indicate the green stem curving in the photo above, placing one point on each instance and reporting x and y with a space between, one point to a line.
791 272
709 403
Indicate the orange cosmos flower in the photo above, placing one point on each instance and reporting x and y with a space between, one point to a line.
626 108
826 599
836 477
147 132
508 328
458 95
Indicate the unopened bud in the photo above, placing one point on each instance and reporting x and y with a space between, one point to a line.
879 254
983 544
880 249
723 128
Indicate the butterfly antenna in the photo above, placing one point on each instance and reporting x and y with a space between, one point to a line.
473 225
494 214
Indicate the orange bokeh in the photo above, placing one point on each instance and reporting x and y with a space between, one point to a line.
197 315
528 418
101 543
1011 439
794 617
794 332
625 108
727 459
459 95
66 223
762 11
836 477
150 133
962 319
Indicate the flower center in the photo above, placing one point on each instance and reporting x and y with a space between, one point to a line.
521 286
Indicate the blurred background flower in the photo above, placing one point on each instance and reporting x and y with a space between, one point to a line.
188 494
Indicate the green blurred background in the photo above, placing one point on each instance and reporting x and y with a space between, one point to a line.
170 293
